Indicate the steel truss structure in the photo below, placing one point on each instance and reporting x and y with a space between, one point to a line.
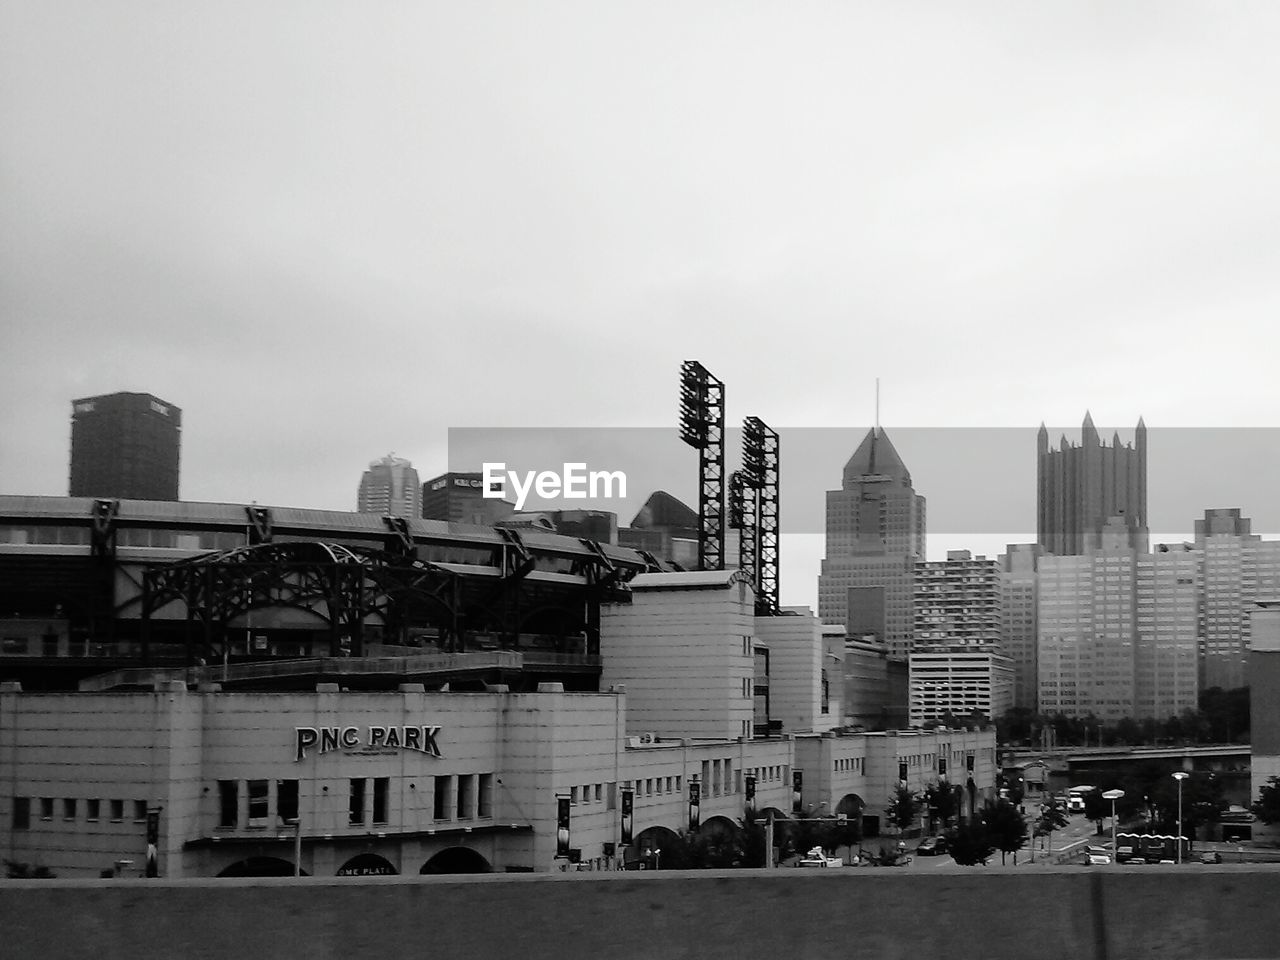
744 516
346 587
761 472
702 427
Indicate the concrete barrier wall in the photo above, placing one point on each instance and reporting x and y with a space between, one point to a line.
1033 913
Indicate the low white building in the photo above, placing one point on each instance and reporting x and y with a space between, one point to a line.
960 681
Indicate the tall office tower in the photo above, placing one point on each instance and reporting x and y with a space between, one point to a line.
390 488
957 602
1167 655
1240 568
125 445
1018 618
459 498
1117 630
875 535
1081 488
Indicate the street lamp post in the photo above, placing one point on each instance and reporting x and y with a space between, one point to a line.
1113 796
1180 776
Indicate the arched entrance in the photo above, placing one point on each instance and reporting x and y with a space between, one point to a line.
719 844
853 808
367 865
260 867
720 826
650 844
457 860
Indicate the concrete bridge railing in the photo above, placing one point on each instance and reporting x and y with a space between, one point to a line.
1033 913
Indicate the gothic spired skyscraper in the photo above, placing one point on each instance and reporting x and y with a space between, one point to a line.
875 535
1081 488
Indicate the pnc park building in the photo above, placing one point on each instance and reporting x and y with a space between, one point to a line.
191 689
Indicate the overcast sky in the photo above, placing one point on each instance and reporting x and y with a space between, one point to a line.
328 231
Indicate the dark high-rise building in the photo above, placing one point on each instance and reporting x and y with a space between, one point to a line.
126 446
875 535
1081 488
459 498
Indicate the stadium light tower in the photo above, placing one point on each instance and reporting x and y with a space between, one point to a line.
702 427
761 471
744 516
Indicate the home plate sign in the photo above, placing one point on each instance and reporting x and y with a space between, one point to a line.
365 742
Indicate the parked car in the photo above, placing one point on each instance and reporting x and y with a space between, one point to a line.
1211 856
1095 855
817 858
932 847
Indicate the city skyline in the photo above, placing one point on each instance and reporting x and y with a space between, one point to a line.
510 217
969 524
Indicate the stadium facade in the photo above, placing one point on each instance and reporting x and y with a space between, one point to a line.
214 689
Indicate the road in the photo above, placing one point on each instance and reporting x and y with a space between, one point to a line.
1078 834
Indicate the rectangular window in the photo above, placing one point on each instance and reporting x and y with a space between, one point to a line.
259 802
69 808
92 808
485 808
117 810
139 811
599 792
381 787
466 795
22 813
287 801
355 810
443 798
46 808
228 803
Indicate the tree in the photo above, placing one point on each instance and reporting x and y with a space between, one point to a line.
1006 827
1096 808
969 843
940 798
1053 816
753 843
902 809
1267 807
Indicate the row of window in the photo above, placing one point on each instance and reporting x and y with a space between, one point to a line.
70 808
460 797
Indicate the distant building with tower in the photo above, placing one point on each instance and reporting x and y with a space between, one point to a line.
875 531
125 445
1081 488
390 488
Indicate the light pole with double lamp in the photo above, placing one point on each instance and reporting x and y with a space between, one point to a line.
1113 796
1180 776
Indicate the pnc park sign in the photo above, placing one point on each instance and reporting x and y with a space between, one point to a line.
373 741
